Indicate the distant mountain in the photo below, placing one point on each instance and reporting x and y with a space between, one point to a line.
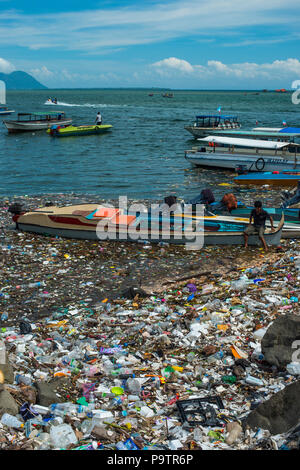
21 81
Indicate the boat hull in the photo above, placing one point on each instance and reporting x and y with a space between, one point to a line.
79 130
248 162
14 127
78 222
280 180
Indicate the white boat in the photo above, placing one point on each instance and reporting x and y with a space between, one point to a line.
36 121
205 124
249 154
4 110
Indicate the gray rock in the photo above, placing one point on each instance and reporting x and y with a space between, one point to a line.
7 403
7 371
276 344
46 394
278 414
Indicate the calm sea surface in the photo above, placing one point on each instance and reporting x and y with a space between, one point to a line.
143 156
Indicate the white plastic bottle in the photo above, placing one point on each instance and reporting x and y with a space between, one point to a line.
11 421
62 436
2 352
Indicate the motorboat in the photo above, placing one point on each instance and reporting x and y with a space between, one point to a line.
36 121
66 131
98 222
205 124
5 111
287 178
249 154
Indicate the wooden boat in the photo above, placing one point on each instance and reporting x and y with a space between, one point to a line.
274 178
65 131
204 124
249 154
5 111
92 222
36 121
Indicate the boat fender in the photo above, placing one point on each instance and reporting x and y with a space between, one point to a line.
260 164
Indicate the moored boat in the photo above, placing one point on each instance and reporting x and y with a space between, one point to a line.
36 121
81 222
65 131
249 154
204 124
286 178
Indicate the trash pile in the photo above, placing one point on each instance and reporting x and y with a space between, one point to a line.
136 347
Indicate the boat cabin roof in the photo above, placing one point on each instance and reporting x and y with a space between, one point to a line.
217 116
49 113
252 143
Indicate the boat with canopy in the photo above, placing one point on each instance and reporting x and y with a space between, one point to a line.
36 121
249 154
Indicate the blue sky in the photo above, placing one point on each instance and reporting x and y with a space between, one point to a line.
185 44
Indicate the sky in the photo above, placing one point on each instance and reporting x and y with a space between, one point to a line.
178 44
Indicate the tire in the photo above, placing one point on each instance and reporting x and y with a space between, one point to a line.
260 164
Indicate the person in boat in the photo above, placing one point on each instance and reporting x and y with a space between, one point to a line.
55 101
258 215
98 120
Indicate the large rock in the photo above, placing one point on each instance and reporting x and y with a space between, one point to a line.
7 371
278 414
7 403
276 344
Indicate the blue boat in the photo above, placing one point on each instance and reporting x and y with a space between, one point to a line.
288 178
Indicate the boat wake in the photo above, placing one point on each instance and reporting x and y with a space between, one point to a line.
85 105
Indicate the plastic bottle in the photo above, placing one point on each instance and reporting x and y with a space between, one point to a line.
23 379
11 421
253 380
2 352
293 368
121 446
133 386
62 436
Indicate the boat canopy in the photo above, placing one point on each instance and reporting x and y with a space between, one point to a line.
253 143
217 116
49 113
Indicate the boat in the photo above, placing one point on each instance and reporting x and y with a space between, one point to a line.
249 154
290 134
97 222
66 131
204 124
286 178
36 121
51 101
5 111
167 95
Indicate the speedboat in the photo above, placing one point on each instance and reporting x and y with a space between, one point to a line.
51 101
5 111
36 121
65 131
249 154
288 178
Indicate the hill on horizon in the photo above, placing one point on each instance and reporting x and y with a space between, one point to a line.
21 81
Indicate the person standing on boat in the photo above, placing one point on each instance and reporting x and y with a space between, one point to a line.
98 120
259 216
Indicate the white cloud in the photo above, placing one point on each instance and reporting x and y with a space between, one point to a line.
5 66
174 64
92 30
41 72
278 69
